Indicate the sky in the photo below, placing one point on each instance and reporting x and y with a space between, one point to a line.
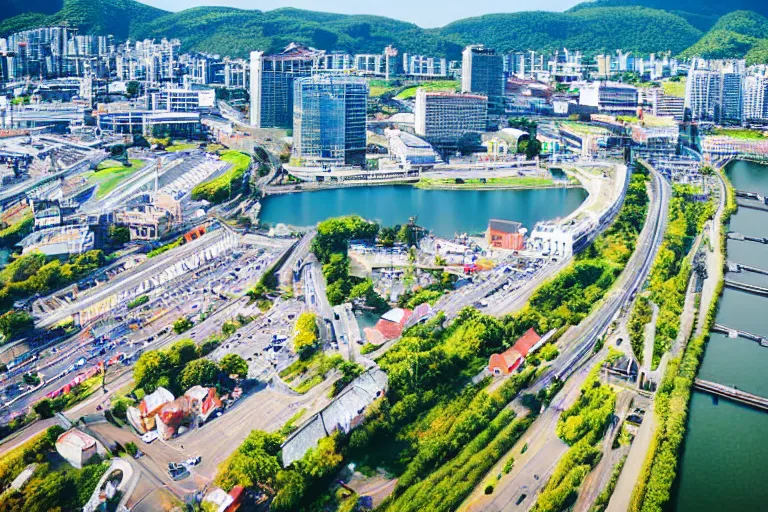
425 13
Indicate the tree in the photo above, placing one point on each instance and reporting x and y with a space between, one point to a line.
229 327
337 267
233 364
118 235
305 335
151 367
183 324
321 461
182 352
15 323
132 89
44 408
200 372
533 149
291 487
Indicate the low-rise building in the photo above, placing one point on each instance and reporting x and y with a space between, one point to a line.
76 447
508 361
59 241
142 418
609 97
505 234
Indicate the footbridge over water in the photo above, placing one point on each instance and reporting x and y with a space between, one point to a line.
732 235
750 195
731 393
744 287
736 333
736 267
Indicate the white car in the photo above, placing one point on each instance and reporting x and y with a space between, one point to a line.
149 436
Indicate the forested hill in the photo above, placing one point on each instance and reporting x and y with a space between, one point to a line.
589 27
117 17
236 32
737 34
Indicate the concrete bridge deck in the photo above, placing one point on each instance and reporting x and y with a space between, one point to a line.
736 333
736 267
731 393
744 287
732 235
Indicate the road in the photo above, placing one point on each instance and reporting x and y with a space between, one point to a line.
205 292
577 348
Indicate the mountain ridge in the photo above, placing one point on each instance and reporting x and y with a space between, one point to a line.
599 26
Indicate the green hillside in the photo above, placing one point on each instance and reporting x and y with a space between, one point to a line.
735 35
596 29
687 27
714 8
117 17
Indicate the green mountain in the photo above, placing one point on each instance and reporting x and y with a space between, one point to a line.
686 27
714 8
735 35
236 32
638 29
118 17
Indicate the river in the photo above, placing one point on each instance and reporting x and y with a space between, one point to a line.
726 449
445 212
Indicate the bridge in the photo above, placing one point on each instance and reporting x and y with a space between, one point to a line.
730 393
744 287
739 267
736 333
732 235
752 205
750 195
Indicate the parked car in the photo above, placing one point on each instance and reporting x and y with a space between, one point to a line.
149 436
178 473
194 461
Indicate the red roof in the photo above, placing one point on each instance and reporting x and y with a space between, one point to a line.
391 330
526 341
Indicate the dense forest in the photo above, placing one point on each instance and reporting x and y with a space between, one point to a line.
737 34
641 26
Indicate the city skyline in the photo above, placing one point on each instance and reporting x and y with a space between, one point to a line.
424 14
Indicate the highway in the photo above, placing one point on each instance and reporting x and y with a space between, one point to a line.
582 338
576 347
153 272
203 292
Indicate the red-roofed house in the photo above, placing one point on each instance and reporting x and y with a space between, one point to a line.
508 361
392 323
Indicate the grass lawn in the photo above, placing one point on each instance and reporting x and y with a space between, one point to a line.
583 128
181 147
676 89
510 181
740 133
440 85
109 174
378 87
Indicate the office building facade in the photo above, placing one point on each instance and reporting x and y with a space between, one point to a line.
482 72
442 118
271 83
329 120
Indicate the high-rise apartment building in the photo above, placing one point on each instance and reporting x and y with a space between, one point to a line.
731 98
272 79
702 95
329 120
755 99
443 117
482 72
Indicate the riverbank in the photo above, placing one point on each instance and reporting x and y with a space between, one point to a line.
444 212
723 441
653 489
507 183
